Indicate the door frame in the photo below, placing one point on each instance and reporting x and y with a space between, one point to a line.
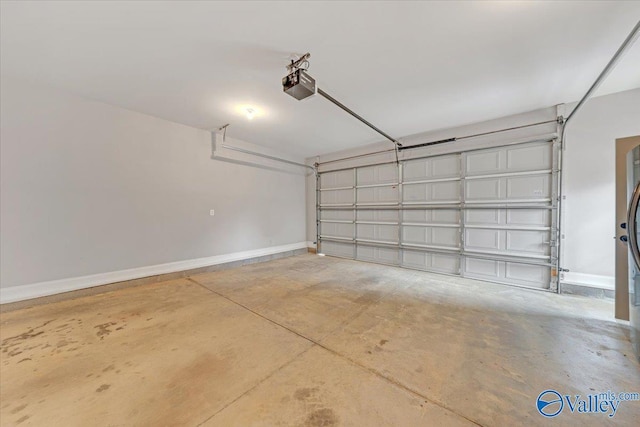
623 147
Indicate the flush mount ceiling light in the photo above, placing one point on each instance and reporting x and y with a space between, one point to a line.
249 111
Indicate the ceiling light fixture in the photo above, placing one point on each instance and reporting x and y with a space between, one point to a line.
248 110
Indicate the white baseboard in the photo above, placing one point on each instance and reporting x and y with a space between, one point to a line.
42 289
310 244
591 280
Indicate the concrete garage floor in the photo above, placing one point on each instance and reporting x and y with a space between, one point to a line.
311 341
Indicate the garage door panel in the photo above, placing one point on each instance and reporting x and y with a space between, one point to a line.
510 242
483 162
415 259
527 242
337 179
441 263
508 272
379 255
485 189
528 187
445 263
336 229
382 174
528 217
520 188
384 233
483 268
416 170
527 275
508 217
482 217
378 215
337 215
445 167
447 191
480 239
445 216
415 193
448 236
432 216
433 236
344 250
528 157
440 167
333 197
373 195
415 235
511 159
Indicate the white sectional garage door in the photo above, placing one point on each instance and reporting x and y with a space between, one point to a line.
486 214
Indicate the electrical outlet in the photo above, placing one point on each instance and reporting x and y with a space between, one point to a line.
212 212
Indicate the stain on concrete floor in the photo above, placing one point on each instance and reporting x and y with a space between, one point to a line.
311 341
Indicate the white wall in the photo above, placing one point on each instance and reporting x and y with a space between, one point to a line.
88 188
589 185
589 176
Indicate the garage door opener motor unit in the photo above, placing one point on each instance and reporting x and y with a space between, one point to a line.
299 84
